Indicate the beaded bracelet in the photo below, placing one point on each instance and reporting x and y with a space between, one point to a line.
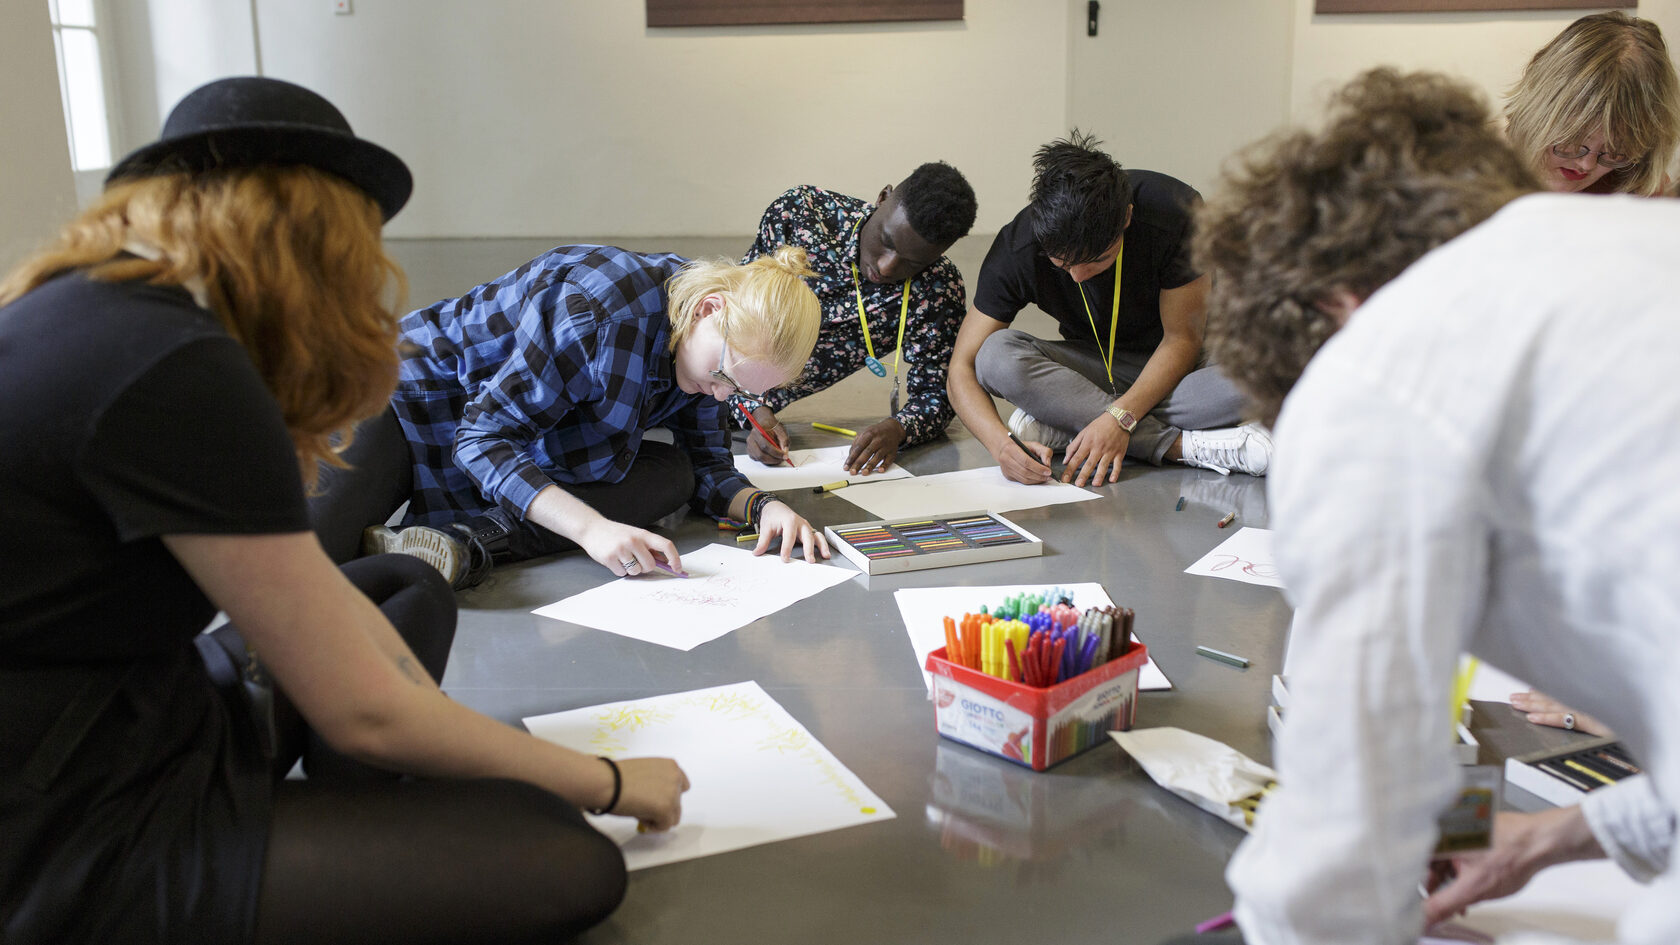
618 787
756 503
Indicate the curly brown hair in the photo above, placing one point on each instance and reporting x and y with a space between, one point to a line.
1404 163
292 266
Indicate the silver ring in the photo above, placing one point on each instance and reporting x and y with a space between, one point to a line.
1569 721
627 565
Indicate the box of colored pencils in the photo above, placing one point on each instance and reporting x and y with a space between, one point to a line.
1563 775
911 544
1036 687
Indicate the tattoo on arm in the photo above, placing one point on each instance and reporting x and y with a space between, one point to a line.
415 672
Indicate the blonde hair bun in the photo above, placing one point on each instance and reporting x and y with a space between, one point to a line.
793 259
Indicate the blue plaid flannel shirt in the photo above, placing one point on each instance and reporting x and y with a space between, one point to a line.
551 374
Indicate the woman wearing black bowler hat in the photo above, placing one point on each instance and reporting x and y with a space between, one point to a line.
173 371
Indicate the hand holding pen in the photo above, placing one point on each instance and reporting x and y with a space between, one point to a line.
768 441
1022 462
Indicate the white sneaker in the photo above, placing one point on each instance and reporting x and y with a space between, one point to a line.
1246 449
1029 430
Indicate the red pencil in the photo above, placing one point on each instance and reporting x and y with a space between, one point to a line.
766 433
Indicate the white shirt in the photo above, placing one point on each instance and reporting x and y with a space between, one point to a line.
1485 458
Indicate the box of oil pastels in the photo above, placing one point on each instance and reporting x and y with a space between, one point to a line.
911 544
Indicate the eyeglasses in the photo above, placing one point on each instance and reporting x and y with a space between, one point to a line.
1612 160
722 375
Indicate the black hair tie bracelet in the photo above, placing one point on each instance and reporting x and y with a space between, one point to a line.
618 787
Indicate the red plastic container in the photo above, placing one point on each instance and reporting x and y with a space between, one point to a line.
1032 726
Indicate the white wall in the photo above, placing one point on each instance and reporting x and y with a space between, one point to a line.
1488 49
542 117
1176 87
37 191
570 117
164 49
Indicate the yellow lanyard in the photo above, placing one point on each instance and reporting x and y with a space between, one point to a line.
1113 317
875 366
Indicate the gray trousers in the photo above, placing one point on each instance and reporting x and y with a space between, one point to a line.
1063 384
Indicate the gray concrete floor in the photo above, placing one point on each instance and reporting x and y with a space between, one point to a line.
982 850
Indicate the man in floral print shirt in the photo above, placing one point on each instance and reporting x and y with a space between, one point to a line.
878 256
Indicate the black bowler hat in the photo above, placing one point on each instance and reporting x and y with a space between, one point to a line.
247 121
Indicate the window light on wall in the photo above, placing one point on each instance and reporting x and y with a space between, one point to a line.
81 82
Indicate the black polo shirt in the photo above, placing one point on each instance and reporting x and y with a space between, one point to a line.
1156 257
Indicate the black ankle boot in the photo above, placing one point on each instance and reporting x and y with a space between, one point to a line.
487 543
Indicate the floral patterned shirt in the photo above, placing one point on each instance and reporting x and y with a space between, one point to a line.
826 225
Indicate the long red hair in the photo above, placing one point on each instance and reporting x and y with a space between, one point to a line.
291 264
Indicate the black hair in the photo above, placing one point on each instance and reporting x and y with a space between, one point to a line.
1079 199
938 202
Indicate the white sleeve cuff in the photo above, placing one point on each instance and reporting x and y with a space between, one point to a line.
1633 825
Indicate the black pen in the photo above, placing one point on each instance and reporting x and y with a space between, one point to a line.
1023 446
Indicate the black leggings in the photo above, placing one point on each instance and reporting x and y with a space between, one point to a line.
356 854
380 478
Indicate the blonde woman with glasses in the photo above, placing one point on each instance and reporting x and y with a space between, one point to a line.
1597 110
519 425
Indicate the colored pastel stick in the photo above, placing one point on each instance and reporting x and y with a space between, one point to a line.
833 429
1223 657
1221 921
668 569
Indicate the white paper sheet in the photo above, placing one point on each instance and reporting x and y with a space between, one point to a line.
1245 556
1492 684
1577 901
727 588
924 610
963 491
817 467
755 774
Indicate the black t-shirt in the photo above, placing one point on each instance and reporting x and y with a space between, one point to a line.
1156 256
126 413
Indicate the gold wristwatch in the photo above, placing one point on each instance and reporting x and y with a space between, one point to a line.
1126 419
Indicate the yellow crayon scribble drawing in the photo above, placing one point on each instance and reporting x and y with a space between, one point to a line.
786 740
612 724
833 775
730 705
634 718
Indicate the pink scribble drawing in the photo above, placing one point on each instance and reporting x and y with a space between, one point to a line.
1262 569
714 591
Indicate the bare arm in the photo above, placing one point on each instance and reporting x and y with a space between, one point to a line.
611 544
974 406
1523 844
356 683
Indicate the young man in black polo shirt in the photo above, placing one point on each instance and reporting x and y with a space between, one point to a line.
1127 376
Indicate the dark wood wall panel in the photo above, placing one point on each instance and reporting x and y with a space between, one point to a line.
760 12
1444 6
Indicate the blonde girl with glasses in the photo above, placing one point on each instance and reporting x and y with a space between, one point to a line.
1597 109
519 427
